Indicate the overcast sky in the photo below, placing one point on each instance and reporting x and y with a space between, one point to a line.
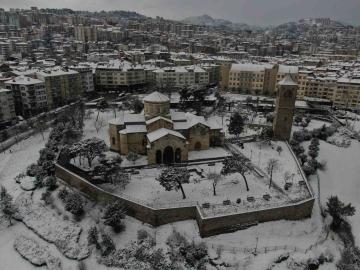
256 12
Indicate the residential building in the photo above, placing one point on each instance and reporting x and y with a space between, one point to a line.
181 76
62 85
29 95
7 105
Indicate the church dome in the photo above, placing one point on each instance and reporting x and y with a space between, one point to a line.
156 97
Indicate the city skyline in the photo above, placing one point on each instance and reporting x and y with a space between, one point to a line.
258 12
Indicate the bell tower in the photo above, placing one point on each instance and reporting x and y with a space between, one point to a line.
285 108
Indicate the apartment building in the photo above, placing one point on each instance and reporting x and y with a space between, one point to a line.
117 74
85 33
347 93
181 76
62 85
7 106
29 95
87 77
258 78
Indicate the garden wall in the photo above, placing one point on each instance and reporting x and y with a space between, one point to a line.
207 226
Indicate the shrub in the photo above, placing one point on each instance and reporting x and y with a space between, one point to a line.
74 204
107 244
50 182
63 194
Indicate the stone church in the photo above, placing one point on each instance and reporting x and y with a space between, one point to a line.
164 135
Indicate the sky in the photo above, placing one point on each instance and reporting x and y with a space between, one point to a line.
254 12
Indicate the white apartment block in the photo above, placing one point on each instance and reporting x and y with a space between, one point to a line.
181 76
29 95
7 105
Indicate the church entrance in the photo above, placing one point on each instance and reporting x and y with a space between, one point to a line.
198 146
158 157
178 155
168 156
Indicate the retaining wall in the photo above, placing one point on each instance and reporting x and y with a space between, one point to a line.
207 225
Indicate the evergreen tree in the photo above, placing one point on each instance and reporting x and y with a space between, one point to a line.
6 204
173 178
237 164
236 125
114 214
339 211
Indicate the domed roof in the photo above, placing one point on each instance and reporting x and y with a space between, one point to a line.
156 97
288 81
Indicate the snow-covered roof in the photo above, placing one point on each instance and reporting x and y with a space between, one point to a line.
23 80
250 67
157 134
135 129
156 97
288 69
134 118
152 120
117 121
177 116
288 81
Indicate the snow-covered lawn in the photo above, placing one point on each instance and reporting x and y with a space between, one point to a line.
145 188
342 177
260 154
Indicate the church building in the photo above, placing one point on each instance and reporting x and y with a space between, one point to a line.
164 135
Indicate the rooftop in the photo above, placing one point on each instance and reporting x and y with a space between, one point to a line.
157 134
156 97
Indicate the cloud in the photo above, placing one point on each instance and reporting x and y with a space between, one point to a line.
257 12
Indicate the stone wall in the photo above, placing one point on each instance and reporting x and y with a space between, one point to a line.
207 225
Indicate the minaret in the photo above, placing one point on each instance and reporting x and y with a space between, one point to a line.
285 108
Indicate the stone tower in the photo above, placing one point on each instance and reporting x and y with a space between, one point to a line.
285 107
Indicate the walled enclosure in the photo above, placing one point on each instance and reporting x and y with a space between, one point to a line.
208 226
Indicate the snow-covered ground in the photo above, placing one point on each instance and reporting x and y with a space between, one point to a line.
314 124
342 177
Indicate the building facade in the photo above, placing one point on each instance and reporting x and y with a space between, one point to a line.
29 94
7 105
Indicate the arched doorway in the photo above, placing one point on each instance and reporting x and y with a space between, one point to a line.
168 156
198 146
158 157
178 155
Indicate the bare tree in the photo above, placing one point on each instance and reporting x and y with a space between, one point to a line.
40 127
271 167
99 124
215 178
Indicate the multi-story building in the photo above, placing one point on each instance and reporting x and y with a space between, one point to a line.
62 85
7 105
85 33
258 78
347 93
29 95
181 76
117 74
248 77
87 77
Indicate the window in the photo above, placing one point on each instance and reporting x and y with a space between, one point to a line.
113 140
